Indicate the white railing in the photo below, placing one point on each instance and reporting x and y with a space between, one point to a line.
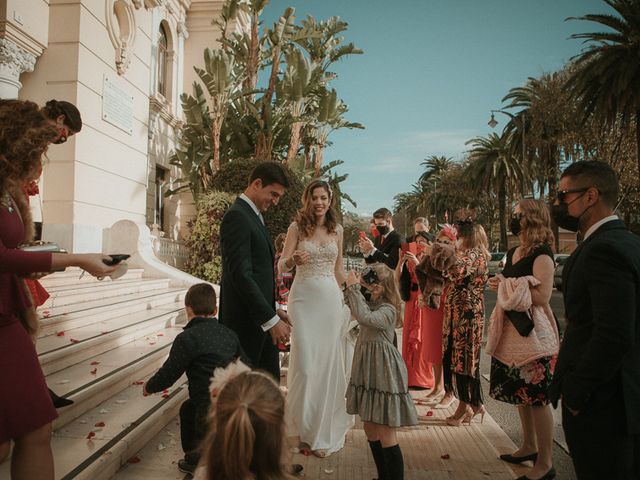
170 251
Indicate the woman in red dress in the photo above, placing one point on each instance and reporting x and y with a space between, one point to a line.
26 411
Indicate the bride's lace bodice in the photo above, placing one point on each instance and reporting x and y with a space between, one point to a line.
323 259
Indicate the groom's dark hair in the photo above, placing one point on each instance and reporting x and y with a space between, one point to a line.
269 173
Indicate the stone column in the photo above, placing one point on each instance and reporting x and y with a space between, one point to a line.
13 61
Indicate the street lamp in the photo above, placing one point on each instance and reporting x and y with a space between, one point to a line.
493 122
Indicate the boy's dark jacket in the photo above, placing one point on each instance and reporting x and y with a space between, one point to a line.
203 346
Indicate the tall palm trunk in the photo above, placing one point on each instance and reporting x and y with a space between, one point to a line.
638 143
502 211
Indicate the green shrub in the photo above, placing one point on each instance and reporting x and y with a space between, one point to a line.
204 237
233 178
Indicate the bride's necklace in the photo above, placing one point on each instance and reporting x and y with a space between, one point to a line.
7 202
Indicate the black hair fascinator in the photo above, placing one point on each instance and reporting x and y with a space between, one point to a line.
465 227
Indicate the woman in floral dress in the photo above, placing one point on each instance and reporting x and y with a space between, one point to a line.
464 319
527 386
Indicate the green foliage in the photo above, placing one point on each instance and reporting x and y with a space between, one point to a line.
204 237
233 178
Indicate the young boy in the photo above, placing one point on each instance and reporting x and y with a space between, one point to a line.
203 346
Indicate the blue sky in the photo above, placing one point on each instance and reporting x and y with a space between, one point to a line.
431 72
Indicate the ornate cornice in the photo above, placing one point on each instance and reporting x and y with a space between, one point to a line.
160 107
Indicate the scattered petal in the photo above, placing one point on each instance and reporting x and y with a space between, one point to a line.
152 343
170 433
105 410
46 313
138 382
328 471
103 333
73 340
100 424
165 390
165 395
160 334
430 413
161 447
445 456
59 334
306 452
63 382
172 442
134 459
91 435
94 363
295 450
94 371
83 422
120 401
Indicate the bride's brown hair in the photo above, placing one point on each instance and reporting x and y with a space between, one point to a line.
305 217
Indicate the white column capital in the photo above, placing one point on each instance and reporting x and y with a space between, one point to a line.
13 61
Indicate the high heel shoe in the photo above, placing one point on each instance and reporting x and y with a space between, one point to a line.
457 420
59 402
481 411
550 475
507 457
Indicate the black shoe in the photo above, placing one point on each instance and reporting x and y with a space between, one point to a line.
296 469
507 457
550 475
186 467
59 402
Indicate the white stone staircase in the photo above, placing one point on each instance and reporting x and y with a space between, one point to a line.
99 341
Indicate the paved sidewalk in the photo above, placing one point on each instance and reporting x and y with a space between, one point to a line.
472 450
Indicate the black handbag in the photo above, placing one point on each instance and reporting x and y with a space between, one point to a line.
522 321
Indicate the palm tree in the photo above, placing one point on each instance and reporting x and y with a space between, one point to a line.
434 167
492 167
606 82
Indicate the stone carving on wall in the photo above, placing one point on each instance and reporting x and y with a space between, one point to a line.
14 60
121 26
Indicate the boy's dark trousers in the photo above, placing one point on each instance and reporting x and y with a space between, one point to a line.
193 428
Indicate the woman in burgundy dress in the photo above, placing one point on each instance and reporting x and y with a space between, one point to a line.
26 411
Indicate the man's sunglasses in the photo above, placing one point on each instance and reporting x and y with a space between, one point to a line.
562 194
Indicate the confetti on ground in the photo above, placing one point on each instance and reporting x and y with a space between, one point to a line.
105 410
46 313
165 391
83 422
94 363
161 334
135 459
295 450
430 413
103 333
445 456
120 401
165 395
94 371
60 334
100 424
91 435
63 382
161 447
138 382
328 471
306 452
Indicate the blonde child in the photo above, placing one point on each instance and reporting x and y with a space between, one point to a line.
378 389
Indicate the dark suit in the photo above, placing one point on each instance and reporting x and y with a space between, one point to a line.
386 251
598 368
247 289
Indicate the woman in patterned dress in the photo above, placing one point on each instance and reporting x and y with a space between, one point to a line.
527 386
463 321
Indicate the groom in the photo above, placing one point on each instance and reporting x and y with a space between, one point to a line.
247 289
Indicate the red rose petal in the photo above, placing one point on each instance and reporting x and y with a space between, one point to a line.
152 343
445 456
73 340
160 334
91 435
165 390
135 459
430 413
165 395
94 363
94 371
60 334
138 382
99 424
103 333
306 452
46 313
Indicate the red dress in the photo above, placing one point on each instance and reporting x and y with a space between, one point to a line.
415 339
25 404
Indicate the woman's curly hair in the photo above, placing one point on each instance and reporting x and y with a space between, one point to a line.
25 134
305 217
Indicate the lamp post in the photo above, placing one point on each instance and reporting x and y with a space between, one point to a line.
493 122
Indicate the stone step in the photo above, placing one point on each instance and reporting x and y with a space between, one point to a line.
72 276
130 421
68 295
68 317
96 379
82 343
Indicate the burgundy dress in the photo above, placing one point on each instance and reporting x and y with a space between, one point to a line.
25 404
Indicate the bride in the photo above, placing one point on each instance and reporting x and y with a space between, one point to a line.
317 377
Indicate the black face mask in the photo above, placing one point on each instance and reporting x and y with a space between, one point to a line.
515 226
366 293
383 230
564 219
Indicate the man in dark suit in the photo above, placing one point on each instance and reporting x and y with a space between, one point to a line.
386 247
247 288
597 375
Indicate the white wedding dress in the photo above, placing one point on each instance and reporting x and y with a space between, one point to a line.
321 353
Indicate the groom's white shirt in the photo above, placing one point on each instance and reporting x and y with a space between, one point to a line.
271 323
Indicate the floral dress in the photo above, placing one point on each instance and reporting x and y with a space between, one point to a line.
464 311
528 384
